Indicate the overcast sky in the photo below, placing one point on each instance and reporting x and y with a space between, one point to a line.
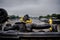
31 7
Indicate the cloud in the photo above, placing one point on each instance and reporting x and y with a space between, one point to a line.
31 7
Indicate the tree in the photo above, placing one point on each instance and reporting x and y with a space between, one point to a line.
54 15
58 16
40 17
48 16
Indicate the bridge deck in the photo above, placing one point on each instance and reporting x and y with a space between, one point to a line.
7 34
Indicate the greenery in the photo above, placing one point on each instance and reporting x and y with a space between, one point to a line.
47 16
52 15
13 17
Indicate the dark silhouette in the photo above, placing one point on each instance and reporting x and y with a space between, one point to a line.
3 15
